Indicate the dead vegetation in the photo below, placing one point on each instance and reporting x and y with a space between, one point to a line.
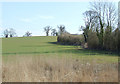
0 70
54 69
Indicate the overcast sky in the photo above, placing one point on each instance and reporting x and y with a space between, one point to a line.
34 16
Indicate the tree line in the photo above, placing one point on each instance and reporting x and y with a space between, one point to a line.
101 26
11 32
101 30
54 32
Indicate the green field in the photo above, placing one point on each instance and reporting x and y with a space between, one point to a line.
41 59
47 45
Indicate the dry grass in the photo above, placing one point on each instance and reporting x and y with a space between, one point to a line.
50 68
0 70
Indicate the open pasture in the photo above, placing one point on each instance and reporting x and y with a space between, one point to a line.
38 59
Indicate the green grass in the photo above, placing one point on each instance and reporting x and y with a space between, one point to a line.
47 45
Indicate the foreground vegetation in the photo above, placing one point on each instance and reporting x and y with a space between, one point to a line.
42 59
39 68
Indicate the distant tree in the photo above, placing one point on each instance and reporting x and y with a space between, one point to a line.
6 33
28 34
61 29
47 30
54 32
12 32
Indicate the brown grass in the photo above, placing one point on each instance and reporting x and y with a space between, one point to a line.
0 71
50 68
0 68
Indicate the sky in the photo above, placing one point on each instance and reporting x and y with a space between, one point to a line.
34 16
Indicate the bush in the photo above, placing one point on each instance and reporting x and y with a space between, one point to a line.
111 40
107 39
68 39
118 41
92 40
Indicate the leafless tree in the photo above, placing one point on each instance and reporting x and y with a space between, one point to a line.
119 14
90 17
106 15
53 32
47 30
61 29
12 32
28 34
6 33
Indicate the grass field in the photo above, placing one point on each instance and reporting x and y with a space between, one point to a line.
42 59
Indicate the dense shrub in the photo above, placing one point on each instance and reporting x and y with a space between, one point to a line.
68 39
118 41
92 40
107 39
111 40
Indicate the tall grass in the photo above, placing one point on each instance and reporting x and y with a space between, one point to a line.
43 68
0 60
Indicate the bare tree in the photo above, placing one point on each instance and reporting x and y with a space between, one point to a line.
61 29
12 32
90 18
6 33
106 14
54 32
119 14
28 34
47 30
